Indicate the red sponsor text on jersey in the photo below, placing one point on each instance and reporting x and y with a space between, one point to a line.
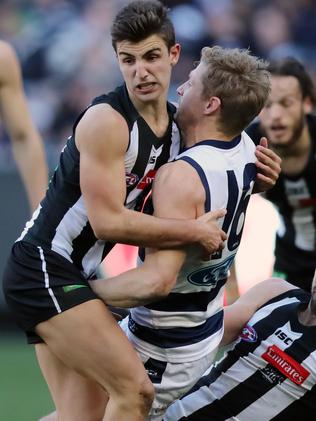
311 201
147 179
286 364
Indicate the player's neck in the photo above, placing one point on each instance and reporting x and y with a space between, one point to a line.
295 157
155 114
299 148
193 135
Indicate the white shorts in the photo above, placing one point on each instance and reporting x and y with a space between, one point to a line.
171 380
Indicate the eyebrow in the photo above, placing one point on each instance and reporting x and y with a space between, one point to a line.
153 50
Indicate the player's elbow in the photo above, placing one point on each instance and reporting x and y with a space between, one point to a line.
162 284
103 232
106 228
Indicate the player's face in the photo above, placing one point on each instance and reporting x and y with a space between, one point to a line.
146 68
191 103
283 117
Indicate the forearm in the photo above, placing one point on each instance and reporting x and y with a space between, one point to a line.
31 162
130 289
130 227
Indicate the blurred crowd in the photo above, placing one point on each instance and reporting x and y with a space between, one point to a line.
67 57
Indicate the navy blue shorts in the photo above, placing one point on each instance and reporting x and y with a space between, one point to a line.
39 284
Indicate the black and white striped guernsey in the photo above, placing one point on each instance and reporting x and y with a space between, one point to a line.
295 199
61 224
268 374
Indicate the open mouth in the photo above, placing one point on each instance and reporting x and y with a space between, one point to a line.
278 130
145 87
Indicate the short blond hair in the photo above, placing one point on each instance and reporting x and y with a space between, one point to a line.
240 80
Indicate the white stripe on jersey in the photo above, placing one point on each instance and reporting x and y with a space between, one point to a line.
30 223
302 217
132 151
267 309
92 259
163 319
276 400
240 371
186 353
46 279
71 225
206 395
175 142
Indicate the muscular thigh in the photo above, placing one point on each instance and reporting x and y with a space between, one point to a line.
69 390
87 339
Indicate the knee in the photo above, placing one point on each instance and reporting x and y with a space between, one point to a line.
136 399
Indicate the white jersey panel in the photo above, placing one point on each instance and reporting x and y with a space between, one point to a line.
70 227
227 172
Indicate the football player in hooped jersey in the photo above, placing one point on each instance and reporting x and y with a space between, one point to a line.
269 371
178 333
89 206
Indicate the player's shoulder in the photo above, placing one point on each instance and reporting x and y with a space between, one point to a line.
177 172
179 179
119 100
272 288
102 126
266 291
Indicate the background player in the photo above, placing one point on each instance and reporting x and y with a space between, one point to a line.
291 129
27 145
270 370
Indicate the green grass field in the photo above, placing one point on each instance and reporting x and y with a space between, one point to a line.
23 392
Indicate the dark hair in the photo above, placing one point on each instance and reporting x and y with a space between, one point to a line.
290 66
141 19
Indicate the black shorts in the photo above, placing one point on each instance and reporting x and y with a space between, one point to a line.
38 284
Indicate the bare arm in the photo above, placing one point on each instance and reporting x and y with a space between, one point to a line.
156 277
231 286
102 138
237 314
27 145
268 165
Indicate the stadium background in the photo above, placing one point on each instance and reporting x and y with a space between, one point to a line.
66 56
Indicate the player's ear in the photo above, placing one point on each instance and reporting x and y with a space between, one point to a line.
308 105
212 104
175 54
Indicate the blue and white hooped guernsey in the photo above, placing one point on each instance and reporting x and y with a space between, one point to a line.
188 323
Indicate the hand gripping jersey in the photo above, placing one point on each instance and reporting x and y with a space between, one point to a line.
269 373
61 224
188 323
